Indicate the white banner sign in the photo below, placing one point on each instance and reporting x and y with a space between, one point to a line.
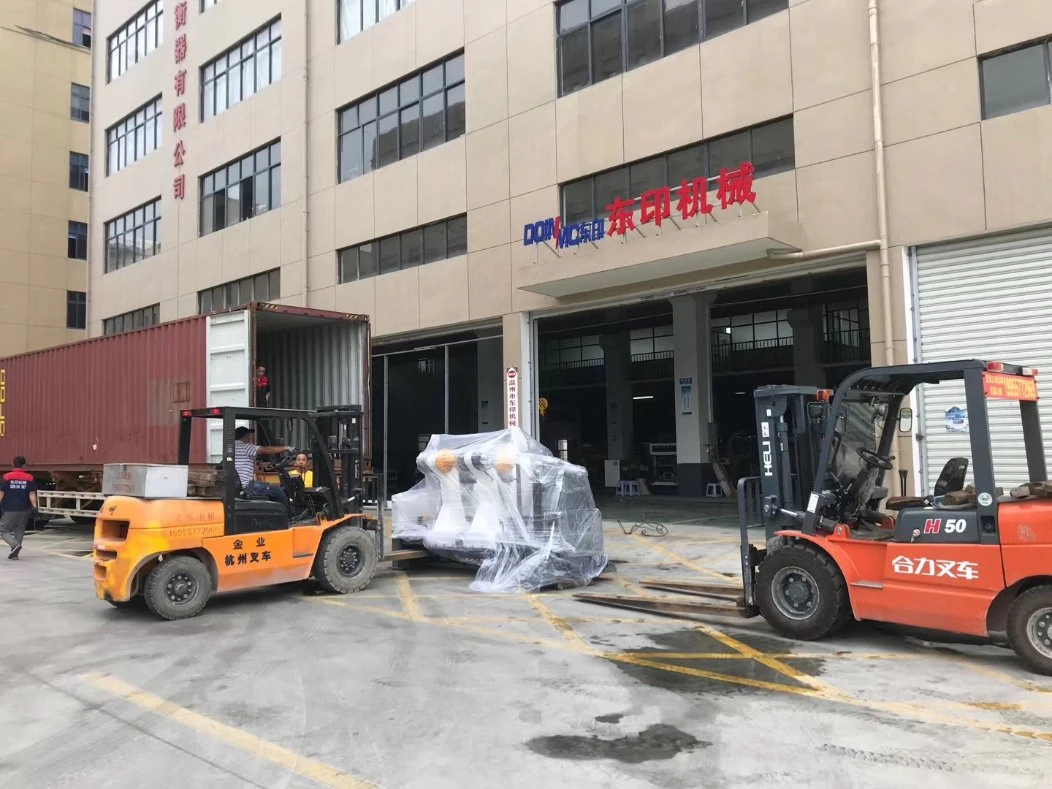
511 384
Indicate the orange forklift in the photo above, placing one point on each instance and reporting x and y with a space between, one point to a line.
173 554
968 561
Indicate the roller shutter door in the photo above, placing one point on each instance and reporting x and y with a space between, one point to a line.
988 299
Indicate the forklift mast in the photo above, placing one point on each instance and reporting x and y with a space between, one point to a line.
789 432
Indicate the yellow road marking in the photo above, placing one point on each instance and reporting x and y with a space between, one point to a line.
762 658
275 754
410 604
88 558
697 672
679 559
898 709
560 625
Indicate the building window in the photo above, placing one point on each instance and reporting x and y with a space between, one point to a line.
245 188
78 171
261 287
420 112
410 248
77 241
76 309
130 321
770 148
242 71
135 39
134 236
1017 80
206 4
599 39
652 342
81 28
134 137
358 15
80 103
572 352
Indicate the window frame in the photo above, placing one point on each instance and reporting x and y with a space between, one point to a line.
84 94
622 7
273 280
376 244
146 317
400 5
80 28
76 309
209 187
76 240
120 227
123 42
1046 45
124 133
210 77
598 211
374 114
79 177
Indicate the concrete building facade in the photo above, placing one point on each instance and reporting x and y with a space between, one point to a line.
45 83
402 158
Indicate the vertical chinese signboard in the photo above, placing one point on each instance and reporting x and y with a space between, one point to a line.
511 384
179 118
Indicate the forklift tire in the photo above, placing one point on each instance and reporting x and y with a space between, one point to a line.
346 560
178 588
1030 628
801 593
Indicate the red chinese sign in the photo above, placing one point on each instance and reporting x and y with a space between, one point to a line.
734 187
1002 386
179 115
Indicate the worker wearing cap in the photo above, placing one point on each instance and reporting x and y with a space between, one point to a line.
18 494
245 453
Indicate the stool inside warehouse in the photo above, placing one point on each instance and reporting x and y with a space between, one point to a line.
503 502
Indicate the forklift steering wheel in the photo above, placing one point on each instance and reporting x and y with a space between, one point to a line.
871 458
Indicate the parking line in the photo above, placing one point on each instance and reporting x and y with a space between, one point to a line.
410 604
296 763
679 559
560 625
763 658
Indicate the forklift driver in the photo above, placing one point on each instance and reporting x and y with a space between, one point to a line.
245 453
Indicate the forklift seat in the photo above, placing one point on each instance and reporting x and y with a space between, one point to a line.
951 480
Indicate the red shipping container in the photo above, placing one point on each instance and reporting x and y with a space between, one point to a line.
118 399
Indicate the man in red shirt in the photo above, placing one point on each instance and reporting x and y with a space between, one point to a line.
18 496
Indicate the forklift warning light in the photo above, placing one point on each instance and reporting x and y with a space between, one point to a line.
186 413
824 395
1001 386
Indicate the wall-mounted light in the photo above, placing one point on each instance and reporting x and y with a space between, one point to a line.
643 397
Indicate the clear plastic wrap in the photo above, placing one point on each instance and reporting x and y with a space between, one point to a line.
503 502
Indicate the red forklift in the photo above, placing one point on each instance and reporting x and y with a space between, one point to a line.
970 561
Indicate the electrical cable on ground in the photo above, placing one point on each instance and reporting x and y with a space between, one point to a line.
645 528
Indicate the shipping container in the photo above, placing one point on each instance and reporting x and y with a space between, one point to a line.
117 399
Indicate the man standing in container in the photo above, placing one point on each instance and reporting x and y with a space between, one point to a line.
18 495
245 453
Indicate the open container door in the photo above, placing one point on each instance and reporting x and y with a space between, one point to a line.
228 341
314 358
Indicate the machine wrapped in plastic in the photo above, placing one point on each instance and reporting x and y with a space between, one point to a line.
502 501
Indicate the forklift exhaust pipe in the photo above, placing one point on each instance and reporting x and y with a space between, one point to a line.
904 475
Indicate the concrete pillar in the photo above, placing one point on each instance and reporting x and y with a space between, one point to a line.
693 380
808 336
490 385
618 362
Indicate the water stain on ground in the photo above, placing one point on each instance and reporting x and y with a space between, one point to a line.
659 741
614 717
694 641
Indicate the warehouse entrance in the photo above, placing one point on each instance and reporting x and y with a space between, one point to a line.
653 390
448 384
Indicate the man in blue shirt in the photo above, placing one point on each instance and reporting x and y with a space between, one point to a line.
18 496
